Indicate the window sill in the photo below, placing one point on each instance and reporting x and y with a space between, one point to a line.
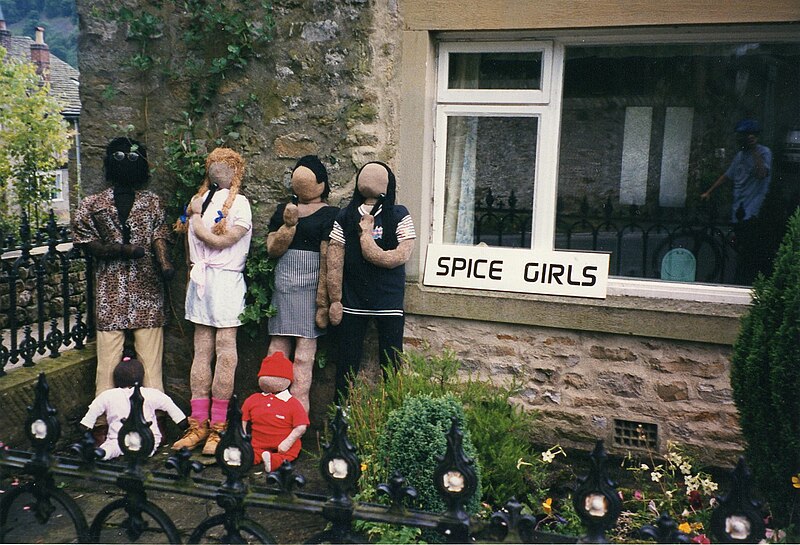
663 318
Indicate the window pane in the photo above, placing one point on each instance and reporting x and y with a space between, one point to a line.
647 130
495 70
489 180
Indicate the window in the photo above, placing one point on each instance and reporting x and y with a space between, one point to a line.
58 185
576 144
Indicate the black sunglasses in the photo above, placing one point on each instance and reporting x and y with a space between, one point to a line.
120 155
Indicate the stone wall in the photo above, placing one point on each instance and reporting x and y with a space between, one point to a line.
580 382
325 84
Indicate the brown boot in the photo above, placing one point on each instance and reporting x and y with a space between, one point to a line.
213 438
196 434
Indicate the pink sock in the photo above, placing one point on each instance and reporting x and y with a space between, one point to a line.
200 408
219 410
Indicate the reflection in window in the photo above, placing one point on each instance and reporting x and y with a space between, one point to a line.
495 70
645 130
490 166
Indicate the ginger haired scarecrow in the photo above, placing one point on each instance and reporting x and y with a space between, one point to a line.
124 228
278 420
298 237
371 241
219 226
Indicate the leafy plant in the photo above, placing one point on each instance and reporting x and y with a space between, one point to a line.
765 379
414 438
260 277
34 137
500 432
673 486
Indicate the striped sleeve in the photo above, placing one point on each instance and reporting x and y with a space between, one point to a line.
405 229
337 233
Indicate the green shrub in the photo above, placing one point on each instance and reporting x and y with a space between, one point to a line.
413 439
765 379
500 432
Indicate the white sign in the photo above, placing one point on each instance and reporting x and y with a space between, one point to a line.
576 274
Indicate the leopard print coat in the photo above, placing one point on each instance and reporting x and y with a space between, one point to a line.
129 293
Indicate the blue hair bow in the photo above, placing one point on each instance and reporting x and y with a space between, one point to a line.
219 217
184 217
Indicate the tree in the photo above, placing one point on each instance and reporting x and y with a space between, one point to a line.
765 379
34 137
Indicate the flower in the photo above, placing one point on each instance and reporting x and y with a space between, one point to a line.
638 494
685 527
548 456
686 468
700 539
644 467
547 505
655 476
796 480
363 466
522 462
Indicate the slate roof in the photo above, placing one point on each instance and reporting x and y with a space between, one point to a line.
64 79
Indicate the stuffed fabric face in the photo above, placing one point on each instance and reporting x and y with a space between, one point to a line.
273 385
125 163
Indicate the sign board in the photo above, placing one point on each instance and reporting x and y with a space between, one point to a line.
575 274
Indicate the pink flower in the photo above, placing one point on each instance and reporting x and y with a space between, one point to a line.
700 539
638 495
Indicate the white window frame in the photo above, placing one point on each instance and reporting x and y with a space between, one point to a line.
546 105
58 185
496 96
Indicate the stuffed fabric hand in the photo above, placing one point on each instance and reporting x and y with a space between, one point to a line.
386 259
291 215
279 241
162 257
296 433
323 303
335 272
124 251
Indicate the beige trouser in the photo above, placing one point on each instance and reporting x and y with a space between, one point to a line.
149 344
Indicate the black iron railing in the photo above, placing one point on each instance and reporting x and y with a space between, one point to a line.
638 240
596 500
47 294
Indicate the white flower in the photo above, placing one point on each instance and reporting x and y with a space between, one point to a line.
548 456
686 468
655 476
709 486
644 467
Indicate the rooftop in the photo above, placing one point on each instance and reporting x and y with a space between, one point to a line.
64 79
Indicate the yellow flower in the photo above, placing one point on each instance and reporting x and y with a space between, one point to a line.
363 466
796 480
685 527
697 526
547 505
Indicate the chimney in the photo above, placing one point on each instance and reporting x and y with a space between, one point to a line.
5 34
40 54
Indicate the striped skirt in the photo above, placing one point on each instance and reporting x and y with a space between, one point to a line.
295 295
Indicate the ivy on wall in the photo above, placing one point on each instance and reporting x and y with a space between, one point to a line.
217 40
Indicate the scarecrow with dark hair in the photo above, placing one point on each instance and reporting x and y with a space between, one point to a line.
371 241
125 229
219 226
298 237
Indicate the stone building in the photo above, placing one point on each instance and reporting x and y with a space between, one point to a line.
606 120
64 81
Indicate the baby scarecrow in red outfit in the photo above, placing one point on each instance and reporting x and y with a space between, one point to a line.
278 420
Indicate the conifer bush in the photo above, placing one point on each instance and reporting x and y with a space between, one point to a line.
413 440
765 378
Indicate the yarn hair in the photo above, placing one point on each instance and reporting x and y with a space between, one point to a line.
236 162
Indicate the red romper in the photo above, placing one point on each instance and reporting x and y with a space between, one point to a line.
274 416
